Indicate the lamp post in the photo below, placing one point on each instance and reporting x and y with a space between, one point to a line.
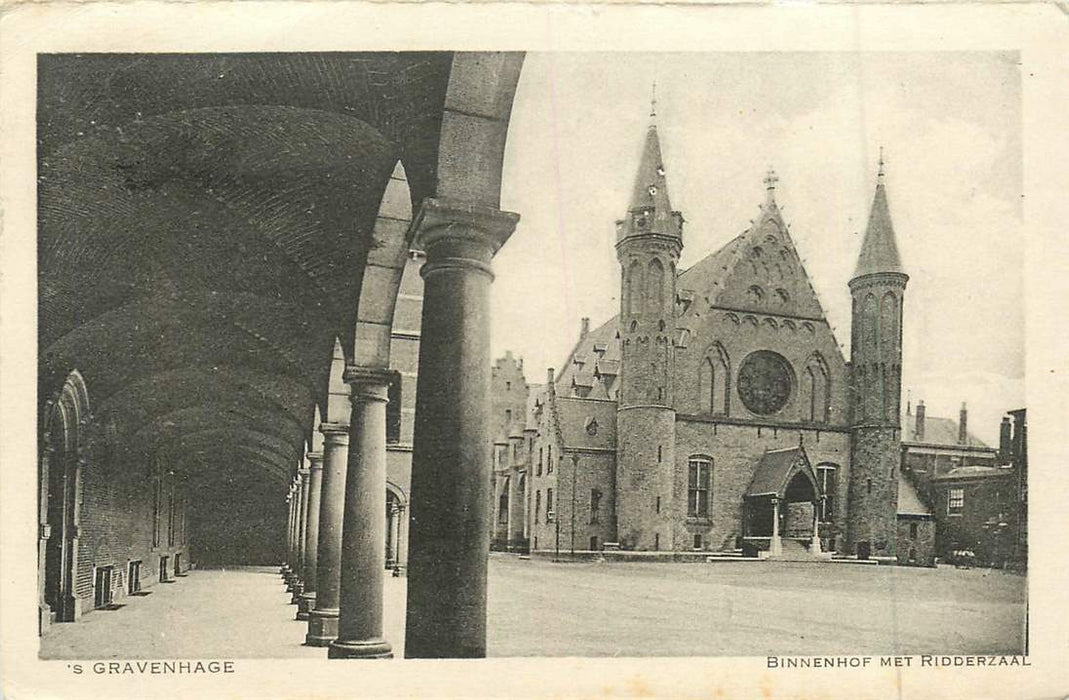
575 468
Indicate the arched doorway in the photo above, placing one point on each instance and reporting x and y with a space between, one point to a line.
396 531
64 418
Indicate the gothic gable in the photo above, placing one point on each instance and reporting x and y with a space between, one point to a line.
766 275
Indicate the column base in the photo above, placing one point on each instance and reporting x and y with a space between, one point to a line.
305 604
322 628
775 547
44 618
297 590
360 649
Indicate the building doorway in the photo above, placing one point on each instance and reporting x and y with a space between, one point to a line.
58 494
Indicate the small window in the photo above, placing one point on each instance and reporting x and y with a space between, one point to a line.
782 296
549 505
657 541
657 505
595 506
538 506
698 541
508 386
913 531
658 453
955 501
549 459
134 577
755 294
868 485
508 417
538 472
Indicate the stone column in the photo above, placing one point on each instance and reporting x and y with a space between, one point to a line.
515 526
323 618
363 563
302 519
402 539
776 546
291 541
814 548
449 536
284 569
311 537
287 565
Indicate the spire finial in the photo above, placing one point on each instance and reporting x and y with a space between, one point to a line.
653 100
879 174
771 179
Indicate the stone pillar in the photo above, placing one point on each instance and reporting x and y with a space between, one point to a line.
311 537
449 536
814 548
284 569
776 547
304 475
323 618
291 540
515 525
402 538
363 565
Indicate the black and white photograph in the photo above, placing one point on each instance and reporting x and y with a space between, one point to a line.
596 353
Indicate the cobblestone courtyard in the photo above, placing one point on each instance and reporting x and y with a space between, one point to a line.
539 608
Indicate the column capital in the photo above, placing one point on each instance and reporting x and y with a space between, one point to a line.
367 383
459 234
304 473
335 434
315 460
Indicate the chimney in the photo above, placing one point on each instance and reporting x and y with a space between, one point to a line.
585 330
1005 441
918 432
963 419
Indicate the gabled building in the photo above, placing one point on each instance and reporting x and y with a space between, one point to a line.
716 411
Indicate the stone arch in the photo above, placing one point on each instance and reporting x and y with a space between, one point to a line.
337 407
64 447
396 524
386 260
478 106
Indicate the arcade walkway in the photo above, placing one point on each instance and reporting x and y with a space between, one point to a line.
537 608
234 613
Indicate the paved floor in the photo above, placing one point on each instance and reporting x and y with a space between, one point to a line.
538 608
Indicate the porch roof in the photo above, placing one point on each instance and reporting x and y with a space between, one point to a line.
775 470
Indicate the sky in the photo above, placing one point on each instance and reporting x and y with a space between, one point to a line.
950 127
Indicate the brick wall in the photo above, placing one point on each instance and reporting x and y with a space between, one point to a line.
873 494
644 478
736 450
916 541
117 523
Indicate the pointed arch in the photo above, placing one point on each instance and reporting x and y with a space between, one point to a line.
888 324
634 287
816 390
64 448
714 378
869 329
656 285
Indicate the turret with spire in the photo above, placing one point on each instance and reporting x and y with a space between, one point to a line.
649 241
878 290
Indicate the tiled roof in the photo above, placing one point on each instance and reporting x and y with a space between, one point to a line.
879 251
770 477
937 431
973 472
576 416
909 501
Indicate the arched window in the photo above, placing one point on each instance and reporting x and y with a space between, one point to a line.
634 288
816 390
755 294
868 323
783 296
699 480
714 379
656 284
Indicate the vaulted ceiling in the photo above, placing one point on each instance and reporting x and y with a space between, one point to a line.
203 226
